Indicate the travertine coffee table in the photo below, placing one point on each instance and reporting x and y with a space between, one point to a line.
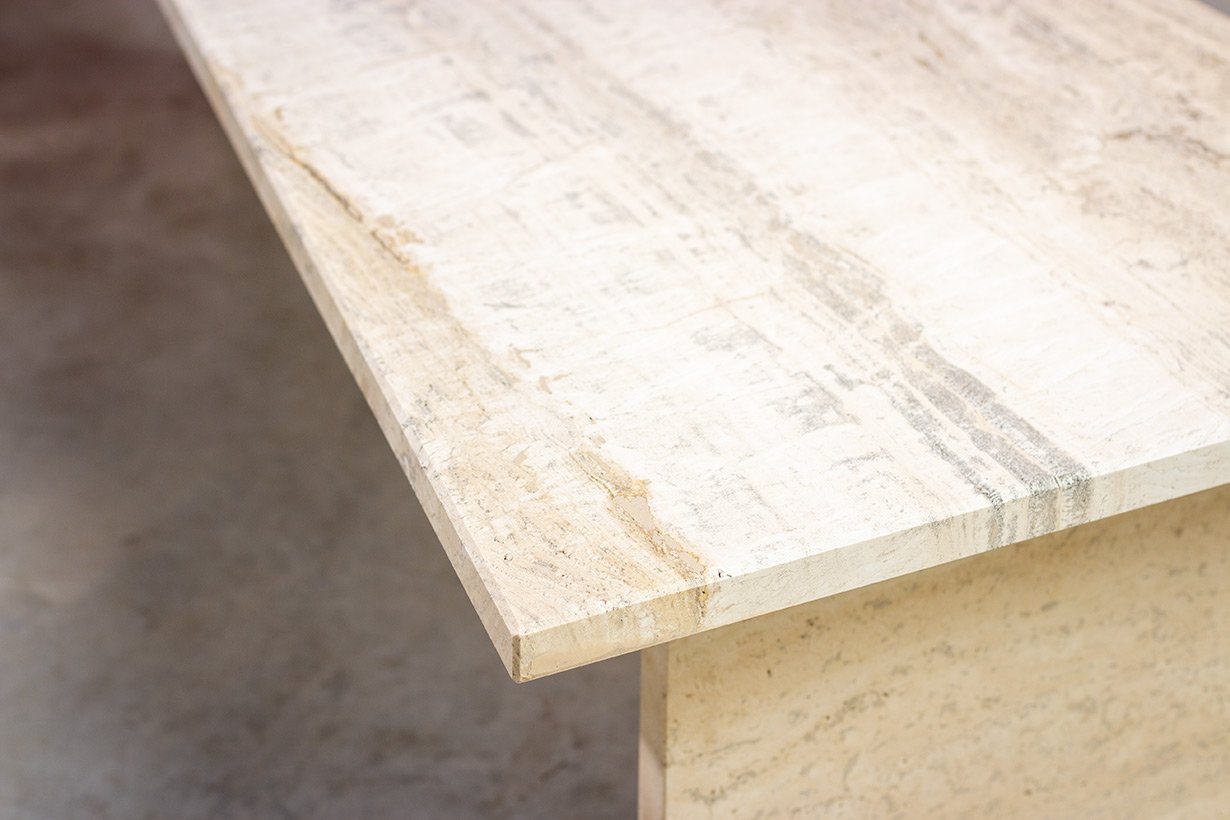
761 315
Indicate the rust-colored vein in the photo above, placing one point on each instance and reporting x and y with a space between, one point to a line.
629 502
1195 146
387 232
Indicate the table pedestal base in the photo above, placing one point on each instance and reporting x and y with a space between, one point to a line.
1086 672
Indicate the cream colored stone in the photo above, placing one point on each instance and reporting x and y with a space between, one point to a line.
1081 674
678 314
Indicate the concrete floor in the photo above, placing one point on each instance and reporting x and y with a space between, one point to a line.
218 595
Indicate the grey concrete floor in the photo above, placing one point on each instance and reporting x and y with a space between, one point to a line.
218 595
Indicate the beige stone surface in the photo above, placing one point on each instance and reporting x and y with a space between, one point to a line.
1081 674
219 599
682 313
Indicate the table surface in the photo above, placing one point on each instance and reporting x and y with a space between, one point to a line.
683 313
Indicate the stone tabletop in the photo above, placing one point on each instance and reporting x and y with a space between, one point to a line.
678 314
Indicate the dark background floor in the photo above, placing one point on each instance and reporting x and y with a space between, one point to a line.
218 595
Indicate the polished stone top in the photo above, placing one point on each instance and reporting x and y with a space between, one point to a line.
682 313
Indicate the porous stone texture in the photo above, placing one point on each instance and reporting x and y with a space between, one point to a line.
1081 674
218 595
687 313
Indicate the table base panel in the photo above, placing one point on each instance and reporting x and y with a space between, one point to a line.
1086 672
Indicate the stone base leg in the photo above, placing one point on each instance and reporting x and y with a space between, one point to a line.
1086 673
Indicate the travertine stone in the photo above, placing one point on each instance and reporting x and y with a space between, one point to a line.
1081 674
680 313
